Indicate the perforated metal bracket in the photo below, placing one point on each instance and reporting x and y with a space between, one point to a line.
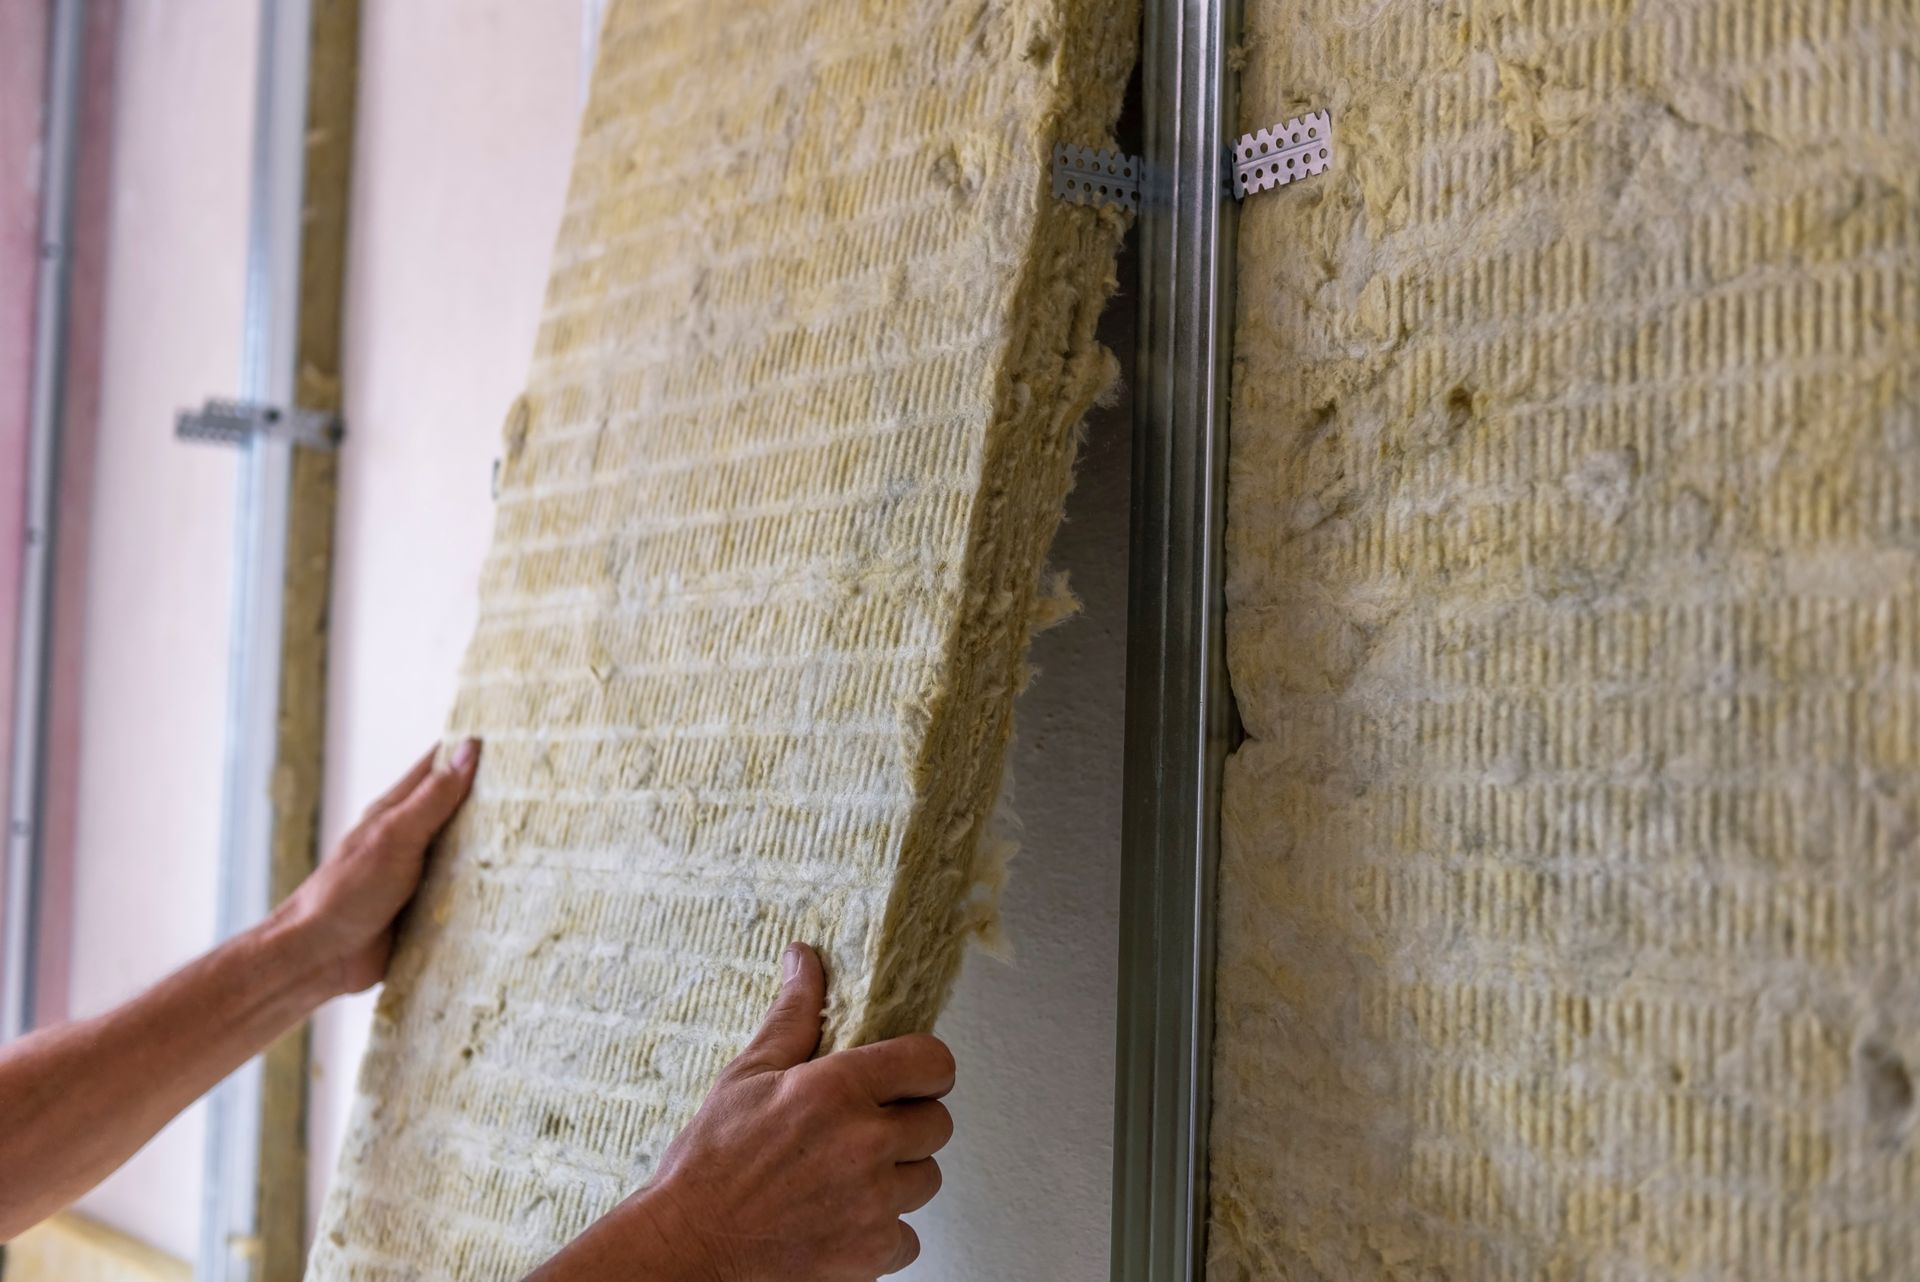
238 422
1086 176
1274 157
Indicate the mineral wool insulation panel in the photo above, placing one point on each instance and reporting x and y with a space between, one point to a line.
771 520
1570 898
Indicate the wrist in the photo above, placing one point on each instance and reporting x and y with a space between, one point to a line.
293 950
636 1241
655 1230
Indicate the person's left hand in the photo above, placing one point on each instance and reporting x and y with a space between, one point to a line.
346 909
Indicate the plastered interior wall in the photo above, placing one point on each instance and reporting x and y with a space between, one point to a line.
1570 892
153 681
468 115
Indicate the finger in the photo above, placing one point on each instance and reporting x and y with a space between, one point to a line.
921 1127
408 782
917 1066
791 1030
915 1184
432 802
909 1249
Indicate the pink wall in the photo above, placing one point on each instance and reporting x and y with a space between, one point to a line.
159 544
86 325
23 50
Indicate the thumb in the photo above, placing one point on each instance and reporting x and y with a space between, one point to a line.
791 1030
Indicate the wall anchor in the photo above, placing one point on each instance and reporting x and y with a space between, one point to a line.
221 422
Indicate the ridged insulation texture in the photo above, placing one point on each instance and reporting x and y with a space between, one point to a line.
1570 891
768 551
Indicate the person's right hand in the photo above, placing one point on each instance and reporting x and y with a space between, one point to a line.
792 1171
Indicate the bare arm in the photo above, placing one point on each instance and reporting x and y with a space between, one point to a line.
793 1168
78 1100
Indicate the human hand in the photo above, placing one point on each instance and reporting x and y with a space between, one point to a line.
346 910
791 1170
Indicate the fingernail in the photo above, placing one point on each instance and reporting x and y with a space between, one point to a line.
464 755
790 964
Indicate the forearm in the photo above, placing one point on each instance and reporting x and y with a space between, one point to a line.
76 1101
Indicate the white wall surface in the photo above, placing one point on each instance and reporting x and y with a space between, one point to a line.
1029 1172
153 683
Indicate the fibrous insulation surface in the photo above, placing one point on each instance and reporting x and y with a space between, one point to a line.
770 529
1570 893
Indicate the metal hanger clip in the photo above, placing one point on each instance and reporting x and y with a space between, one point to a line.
1262 160
222 422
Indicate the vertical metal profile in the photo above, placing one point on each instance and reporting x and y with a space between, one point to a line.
253 1225
230 1231
26 790
1178 703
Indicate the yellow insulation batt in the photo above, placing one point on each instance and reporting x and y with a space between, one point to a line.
770 536
1570 898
